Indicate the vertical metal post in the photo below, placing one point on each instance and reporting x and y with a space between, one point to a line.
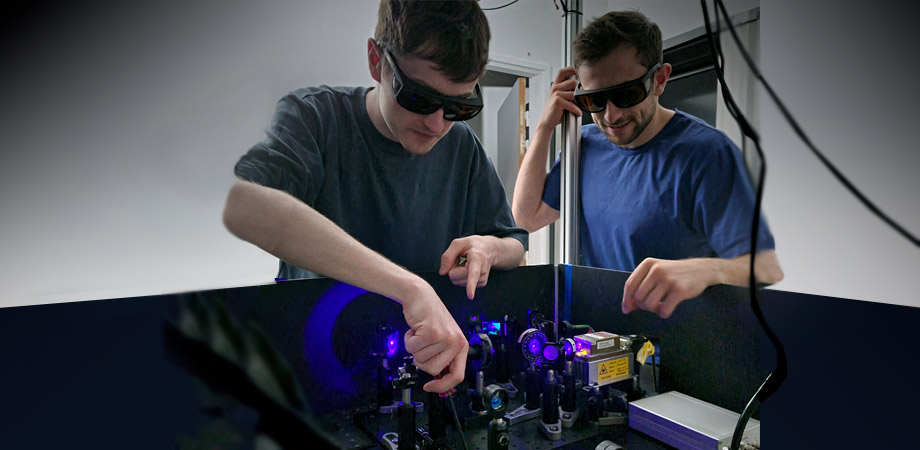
571 153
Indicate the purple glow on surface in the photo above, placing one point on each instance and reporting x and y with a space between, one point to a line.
550 352
534 347
568 348
317 338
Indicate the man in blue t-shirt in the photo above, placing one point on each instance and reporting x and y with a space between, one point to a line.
365 185
663 194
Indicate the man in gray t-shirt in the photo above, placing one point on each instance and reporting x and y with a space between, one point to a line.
407 207
362 184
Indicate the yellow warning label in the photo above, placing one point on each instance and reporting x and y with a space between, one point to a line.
613 369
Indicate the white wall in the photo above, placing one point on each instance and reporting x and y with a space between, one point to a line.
848 75
492 96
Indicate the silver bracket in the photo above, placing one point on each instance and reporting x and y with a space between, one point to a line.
552 431
612 418
390 440
568 418
522 414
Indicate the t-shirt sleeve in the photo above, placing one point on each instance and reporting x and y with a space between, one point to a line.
488 201
552 185
289 158
724 200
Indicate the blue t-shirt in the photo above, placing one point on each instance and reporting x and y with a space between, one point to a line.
683 194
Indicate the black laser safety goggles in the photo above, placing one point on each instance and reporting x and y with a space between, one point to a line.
423 100
624 95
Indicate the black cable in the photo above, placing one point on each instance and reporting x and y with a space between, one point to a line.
775 379
746 414
457 421
801 133
500 7
565 8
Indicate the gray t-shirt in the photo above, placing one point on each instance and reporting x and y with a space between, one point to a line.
322 148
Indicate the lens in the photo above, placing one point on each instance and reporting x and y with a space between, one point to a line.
497 401
628 96
458 112
550 352
417 103
591 102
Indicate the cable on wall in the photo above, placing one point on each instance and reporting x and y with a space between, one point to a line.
774 379
500 7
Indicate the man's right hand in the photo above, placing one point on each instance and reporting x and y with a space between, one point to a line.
434 339
263 215
561 99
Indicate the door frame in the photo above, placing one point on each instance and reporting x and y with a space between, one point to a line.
540 78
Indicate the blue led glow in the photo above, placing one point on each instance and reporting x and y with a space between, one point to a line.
493 328
392 344
497 401
317 338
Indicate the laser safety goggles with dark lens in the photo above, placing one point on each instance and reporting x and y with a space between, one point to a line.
624 95
423 100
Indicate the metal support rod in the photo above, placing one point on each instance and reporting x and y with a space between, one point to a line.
571 152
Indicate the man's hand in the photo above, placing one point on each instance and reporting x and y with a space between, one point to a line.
479 253
561 99
434 339
263 215
659 285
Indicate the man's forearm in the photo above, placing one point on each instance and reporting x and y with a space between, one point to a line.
736 271
289 229
528 189
509 253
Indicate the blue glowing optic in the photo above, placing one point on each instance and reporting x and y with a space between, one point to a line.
568 348
534 347
497 402
392 343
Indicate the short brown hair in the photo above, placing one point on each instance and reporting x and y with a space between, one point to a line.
618 28
452 34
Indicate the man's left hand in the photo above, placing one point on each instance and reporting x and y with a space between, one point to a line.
658 285
479 253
